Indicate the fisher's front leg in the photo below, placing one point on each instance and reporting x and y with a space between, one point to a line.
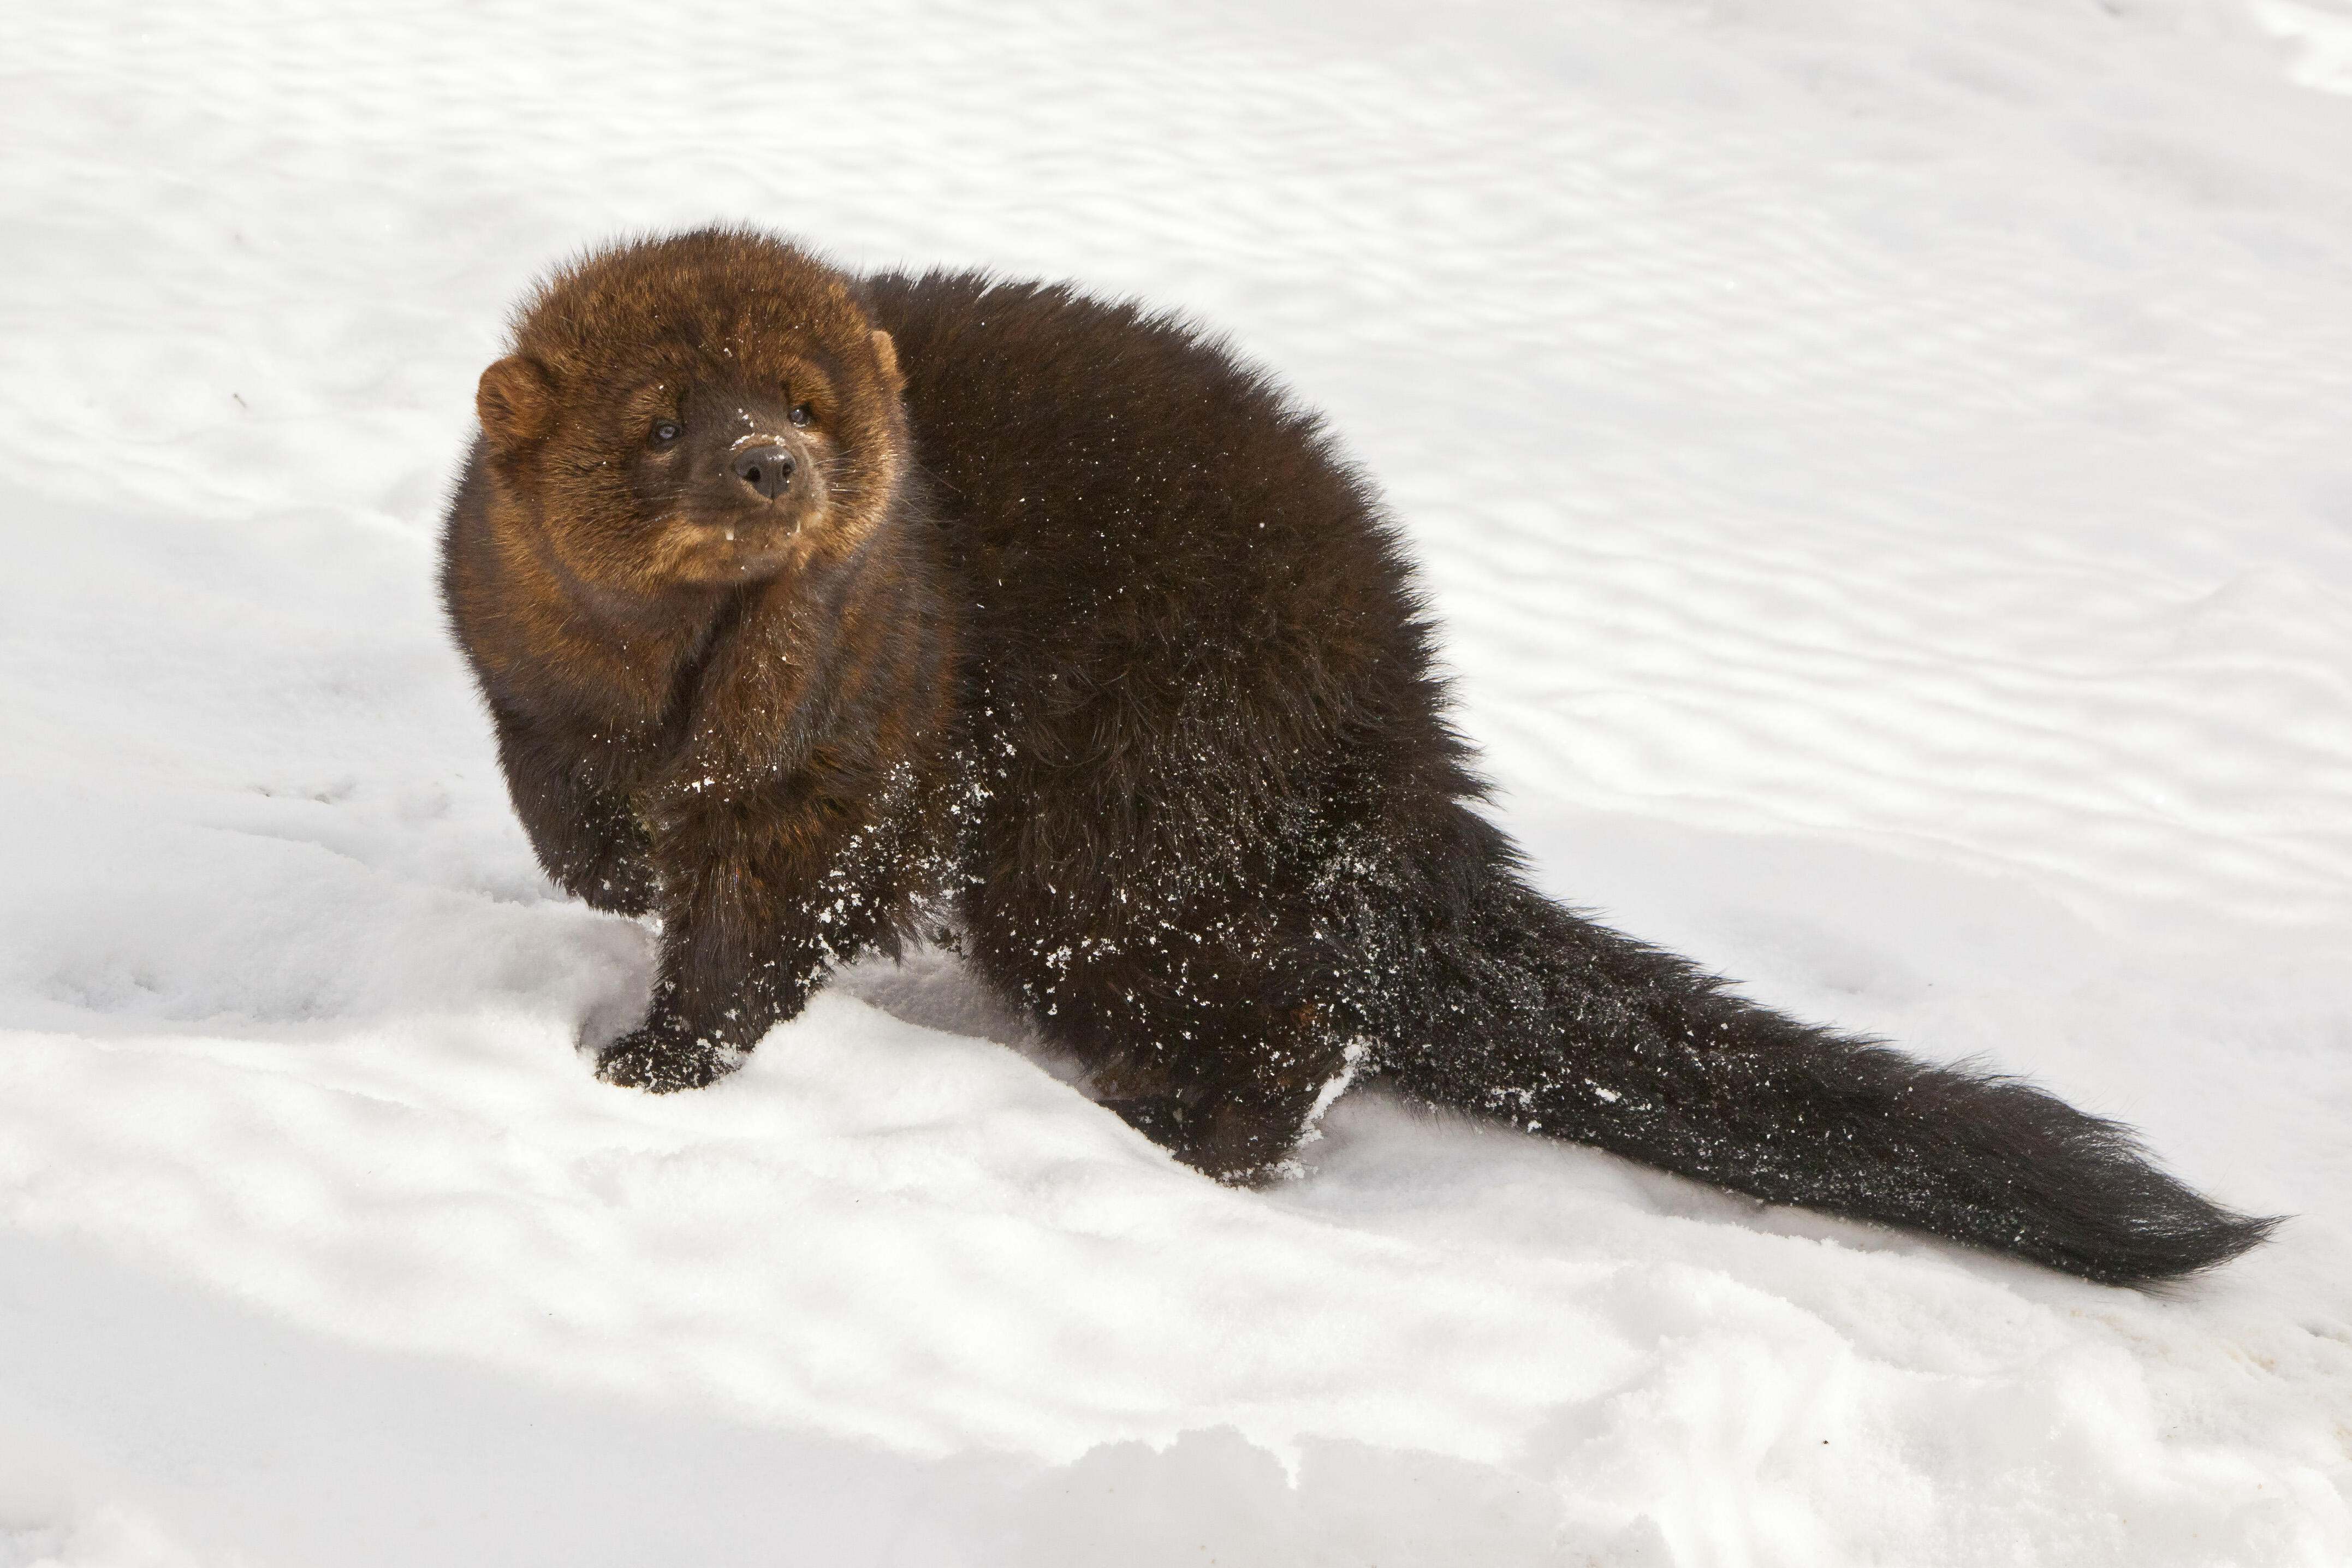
759 898
577 814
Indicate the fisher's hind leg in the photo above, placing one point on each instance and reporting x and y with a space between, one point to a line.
1238 1107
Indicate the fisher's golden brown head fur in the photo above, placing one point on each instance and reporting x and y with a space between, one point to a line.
692 411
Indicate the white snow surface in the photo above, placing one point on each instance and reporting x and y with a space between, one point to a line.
1886 474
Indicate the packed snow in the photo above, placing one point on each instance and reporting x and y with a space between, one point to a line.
1885 474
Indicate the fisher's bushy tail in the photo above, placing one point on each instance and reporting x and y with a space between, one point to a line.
1503 1002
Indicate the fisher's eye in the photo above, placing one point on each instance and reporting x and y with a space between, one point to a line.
665 432
802 414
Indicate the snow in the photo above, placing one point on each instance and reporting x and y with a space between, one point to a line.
1882 471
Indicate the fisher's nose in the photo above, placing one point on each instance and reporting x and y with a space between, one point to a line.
766 469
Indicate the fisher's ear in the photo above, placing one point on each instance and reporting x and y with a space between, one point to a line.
887 353
516 402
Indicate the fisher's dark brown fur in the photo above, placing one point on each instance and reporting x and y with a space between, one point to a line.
814 610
